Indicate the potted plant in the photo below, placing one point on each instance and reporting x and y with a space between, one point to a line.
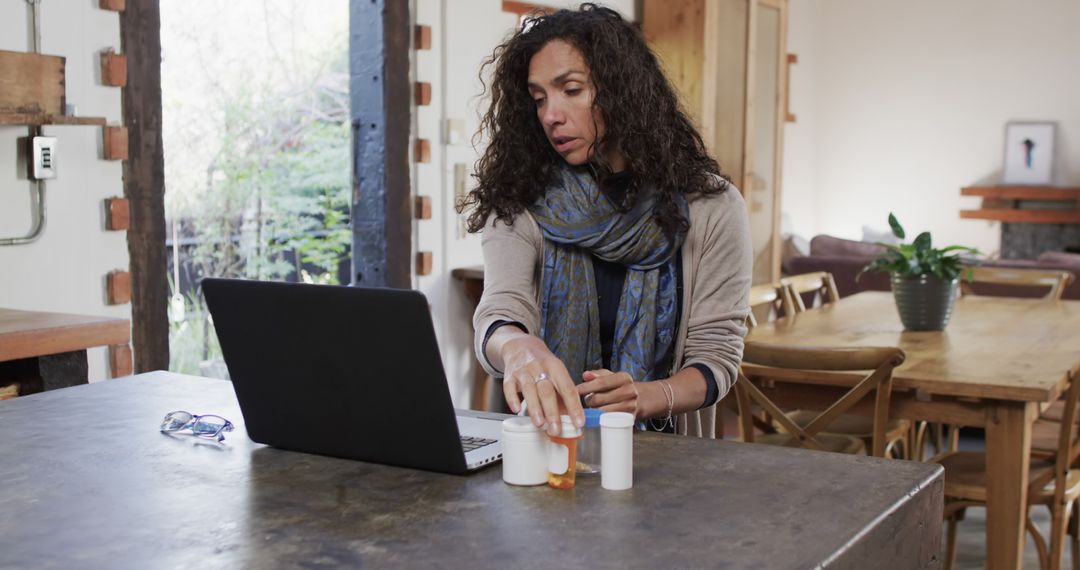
924 278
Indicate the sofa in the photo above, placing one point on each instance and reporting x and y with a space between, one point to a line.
845 258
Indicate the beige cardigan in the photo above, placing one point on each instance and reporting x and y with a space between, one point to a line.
717 261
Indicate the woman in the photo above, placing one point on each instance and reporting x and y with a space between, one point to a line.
617 258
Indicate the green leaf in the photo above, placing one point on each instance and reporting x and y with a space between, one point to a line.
897 229
922 242
961 248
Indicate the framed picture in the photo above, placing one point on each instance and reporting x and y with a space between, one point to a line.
1029 153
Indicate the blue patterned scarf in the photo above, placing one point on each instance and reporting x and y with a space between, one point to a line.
578 221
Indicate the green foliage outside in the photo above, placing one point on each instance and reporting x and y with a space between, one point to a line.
919 257
257 150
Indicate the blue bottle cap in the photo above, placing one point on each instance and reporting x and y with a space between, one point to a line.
592 417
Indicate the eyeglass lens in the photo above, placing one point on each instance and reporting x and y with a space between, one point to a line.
208 425
175 421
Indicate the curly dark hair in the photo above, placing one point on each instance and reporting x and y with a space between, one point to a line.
633 98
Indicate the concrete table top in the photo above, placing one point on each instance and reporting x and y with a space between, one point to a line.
86 480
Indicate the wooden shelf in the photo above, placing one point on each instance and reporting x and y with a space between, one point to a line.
1049 193
25 119
1001 203
1023 216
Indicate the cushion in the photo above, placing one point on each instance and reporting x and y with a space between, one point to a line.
828 245
1060 259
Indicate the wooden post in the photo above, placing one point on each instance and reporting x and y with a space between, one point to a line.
381 114
144 184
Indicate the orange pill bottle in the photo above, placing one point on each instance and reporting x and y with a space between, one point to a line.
562 455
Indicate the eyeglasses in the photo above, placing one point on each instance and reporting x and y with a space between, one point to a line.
209 426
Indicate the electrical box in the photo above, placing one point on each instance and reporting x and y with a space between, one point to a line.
42 158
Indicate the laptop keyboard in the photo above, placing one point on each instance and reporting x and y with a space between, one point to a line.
471 443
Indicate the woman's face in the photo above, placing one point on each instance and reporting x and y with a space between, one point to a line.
560 85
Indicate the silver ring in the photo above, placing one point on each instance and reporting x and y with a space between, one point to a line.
540 378
586 398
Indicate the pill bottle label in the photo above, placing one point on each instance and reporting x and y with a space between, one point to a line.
558 458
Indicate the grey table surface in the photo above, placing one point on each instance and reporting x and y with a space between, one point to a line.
86 480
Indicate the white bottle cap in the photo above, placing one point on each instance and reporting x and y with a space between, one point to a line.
569 430
522 424
617 420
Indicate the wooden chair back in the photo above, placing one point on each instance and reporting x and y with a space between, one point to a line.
880 361
1056 280
820 283
1068 447
772 299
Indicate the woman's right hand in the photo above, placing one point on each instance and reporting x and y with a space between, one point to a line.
533 372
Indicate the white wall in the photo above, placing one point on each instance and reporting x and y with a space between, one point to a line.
900 104
464 33
64 271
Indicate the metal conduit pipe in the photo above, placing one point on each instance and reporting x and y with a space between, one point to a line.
39 220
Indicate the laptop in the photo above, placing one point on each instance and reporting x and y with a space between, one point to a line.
347 372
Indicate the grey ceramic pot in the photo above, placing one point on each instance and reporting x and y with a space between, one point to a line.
925 303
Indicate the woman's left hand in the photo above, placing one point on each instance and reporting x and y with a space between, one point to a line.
614 392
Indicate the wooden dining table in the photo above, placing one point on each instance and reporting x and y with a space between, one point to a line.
997 364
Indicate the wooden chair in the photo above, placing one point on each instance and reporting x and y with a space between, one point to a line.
820 283
775 296
814 435
772 300
1054 482
1056 280
899 433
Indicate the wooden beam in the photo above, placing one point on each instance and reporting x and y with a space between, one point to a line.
422 152
1047 193
118 287
424 262
422 39
144 184
116 143
117 214
525 8
119 360
38 119
31 83
423 208
113 68
423 93
1024 216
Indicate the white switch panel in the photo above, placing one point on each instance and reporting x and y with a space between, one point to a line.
42 158
455 131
